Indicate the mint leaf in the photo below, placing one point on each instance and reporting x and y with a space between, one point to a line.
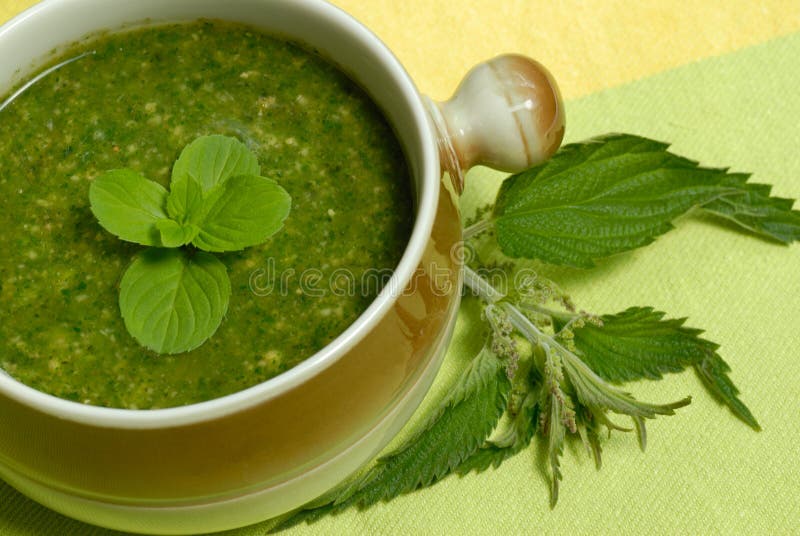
246 211
598 198
639 343
217 188
186 200
172 302
174 234
129 205
453 433
750 206
210 160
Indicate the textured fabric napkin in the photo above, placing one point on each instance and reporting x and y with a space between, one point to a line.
721 84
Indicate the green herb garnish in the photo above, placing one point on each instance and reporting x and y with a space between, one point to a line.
173 300
545 367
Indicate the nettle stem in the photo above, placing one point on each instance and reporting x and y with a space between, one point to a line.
552 313
593 390
477 228
481 287
489 294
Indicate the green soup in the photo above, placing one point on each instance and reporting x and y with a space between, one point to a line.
134 100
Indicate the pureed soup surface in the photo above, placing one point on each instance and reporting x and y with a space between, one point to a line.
136 102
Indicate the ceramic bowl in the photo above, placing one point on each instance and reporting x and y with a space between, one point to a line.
268 449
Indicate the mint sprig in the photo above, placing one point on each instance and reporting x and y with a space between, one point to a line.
129 206
592 199
174 300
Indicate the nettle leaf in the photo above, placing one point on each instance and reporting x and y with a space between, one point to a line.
714 373
210 160
598 198
556 433
750 206
247 210
129 205
515 435
593 392
452 434
639 343
172 301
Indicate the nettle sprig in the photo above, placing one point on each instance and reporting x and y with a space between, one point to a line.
175 294
545 367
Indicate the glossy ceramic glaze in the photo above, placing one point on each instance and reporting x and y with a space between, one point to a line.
242 458
263 451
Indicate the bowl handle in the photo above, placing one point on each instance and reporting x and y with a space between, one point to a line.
507 114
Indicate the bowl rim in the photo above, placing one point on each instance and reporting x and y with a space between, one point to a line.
428 191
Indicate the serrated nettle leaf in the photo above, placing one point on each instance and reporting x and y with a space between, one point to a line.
751 206
558 417
248 210
453 432
172 301
556 433
598 198
714 373
210 160
589 432
594 392
593 397
515 435
174 234
129 205
639 343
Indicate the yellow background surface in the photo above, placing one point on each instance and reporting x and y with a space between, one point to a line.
626 66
